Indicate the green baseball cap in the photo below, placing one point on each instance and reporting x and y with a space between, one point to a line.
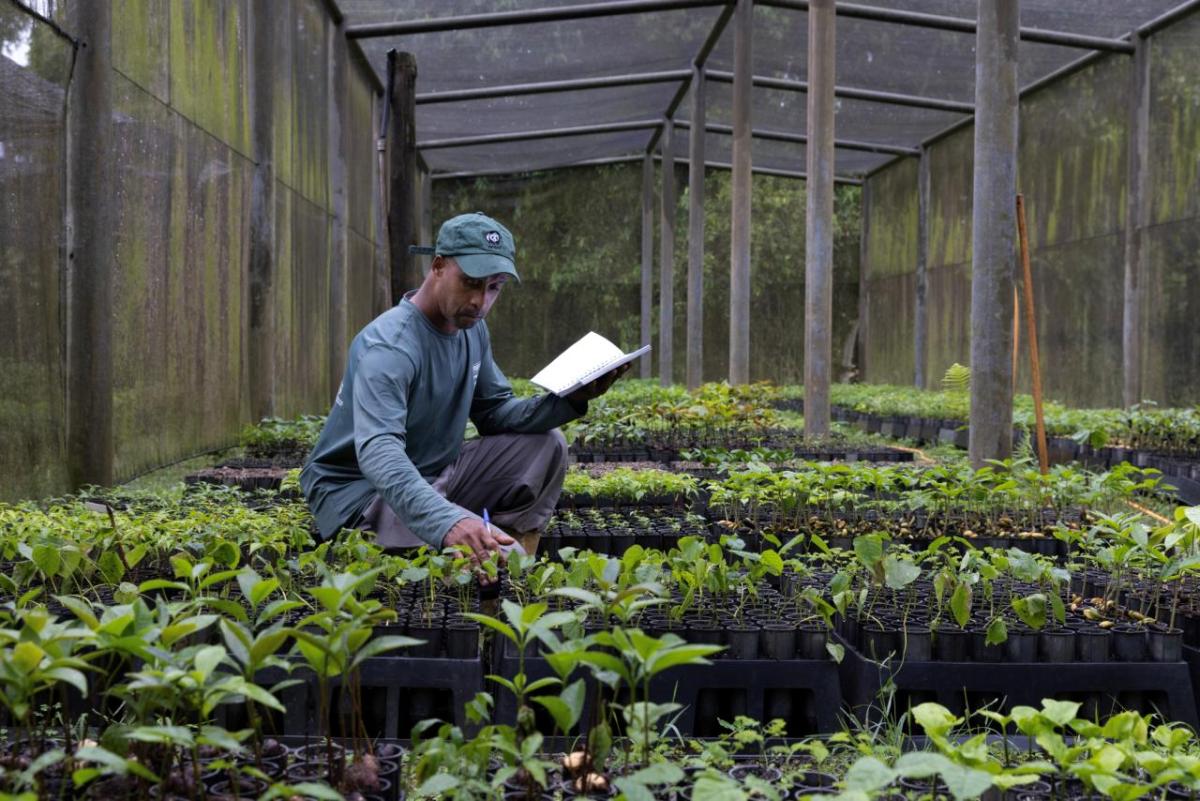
479 244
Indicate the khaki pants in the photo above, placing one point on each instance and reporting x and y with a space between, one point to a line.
516 477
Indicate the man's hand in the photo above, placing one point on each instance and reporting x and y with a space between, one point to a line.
598 387
475 540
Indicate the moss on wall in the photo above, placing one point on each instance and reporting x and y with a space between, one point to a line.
1072 164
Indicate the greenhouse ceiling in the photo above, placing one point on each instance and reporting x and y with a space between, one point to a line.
537 84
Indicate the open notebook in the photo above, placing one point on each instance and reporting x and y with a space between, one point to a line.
582 363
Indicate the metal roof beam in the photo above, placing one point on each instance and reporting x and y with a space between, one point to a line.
544 133
701 57
638 125
871 95
716 165
802 139
960 25
546 87
523 17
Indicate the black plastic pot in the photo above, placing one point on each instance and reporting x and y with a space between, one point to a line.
462 640
1166 645
707 634
777 641
981 651
1129 643
768 773
878 642
1021 646
1057 645
1093 644
743 641
916 645
430 632
810 641
952 645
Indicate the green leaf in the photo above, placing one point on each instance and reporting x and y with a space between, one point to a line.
69 675
717 788
837 651
631 790
1060 712
964 782
262 590
899 573
659 773
559 710
26 656
869 549
321 792
494 624
1031 610
207 659
111 567
960 604
997 632
921 764
81 609
935 719
381 645
868 774
437 785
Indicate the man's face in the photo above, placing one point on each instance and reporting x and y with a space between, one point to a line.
464 300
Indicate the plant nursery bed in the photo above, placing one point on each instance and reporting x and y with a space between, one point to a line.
397 692
613 530
806 693
248 479
1163 687
794 450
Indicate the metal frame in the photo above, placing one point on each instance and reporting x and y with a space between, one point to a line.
849 180
801 139
526 17
546 87
853 93
944 22
637 125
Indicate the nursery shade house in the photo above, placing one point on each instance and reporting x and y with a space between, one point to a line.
914 458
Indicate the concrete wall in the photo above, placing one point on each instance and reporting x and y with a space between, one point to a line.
1074 142
194 190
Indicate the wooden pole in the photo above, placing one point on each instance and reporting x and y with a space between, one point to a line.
402 178
1016 337
818 251
1031 330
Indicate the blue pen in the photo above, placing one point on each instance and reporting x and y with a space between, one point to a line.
487 521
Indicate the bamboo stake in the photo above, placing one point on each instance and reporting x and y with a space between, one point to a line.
1031 330
1016 337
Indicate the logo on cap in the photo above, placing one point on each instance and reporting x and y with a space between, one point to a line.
492 238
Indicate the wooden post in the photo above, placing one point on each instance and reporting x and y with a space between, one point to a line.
1137 216
818 261
402 180
646 366
695 274
739 224
261 340
921 315
993 229
1031 331
666 257
90 205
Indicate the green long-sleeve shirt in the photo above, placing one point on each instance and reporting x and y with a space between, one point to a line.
399 418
